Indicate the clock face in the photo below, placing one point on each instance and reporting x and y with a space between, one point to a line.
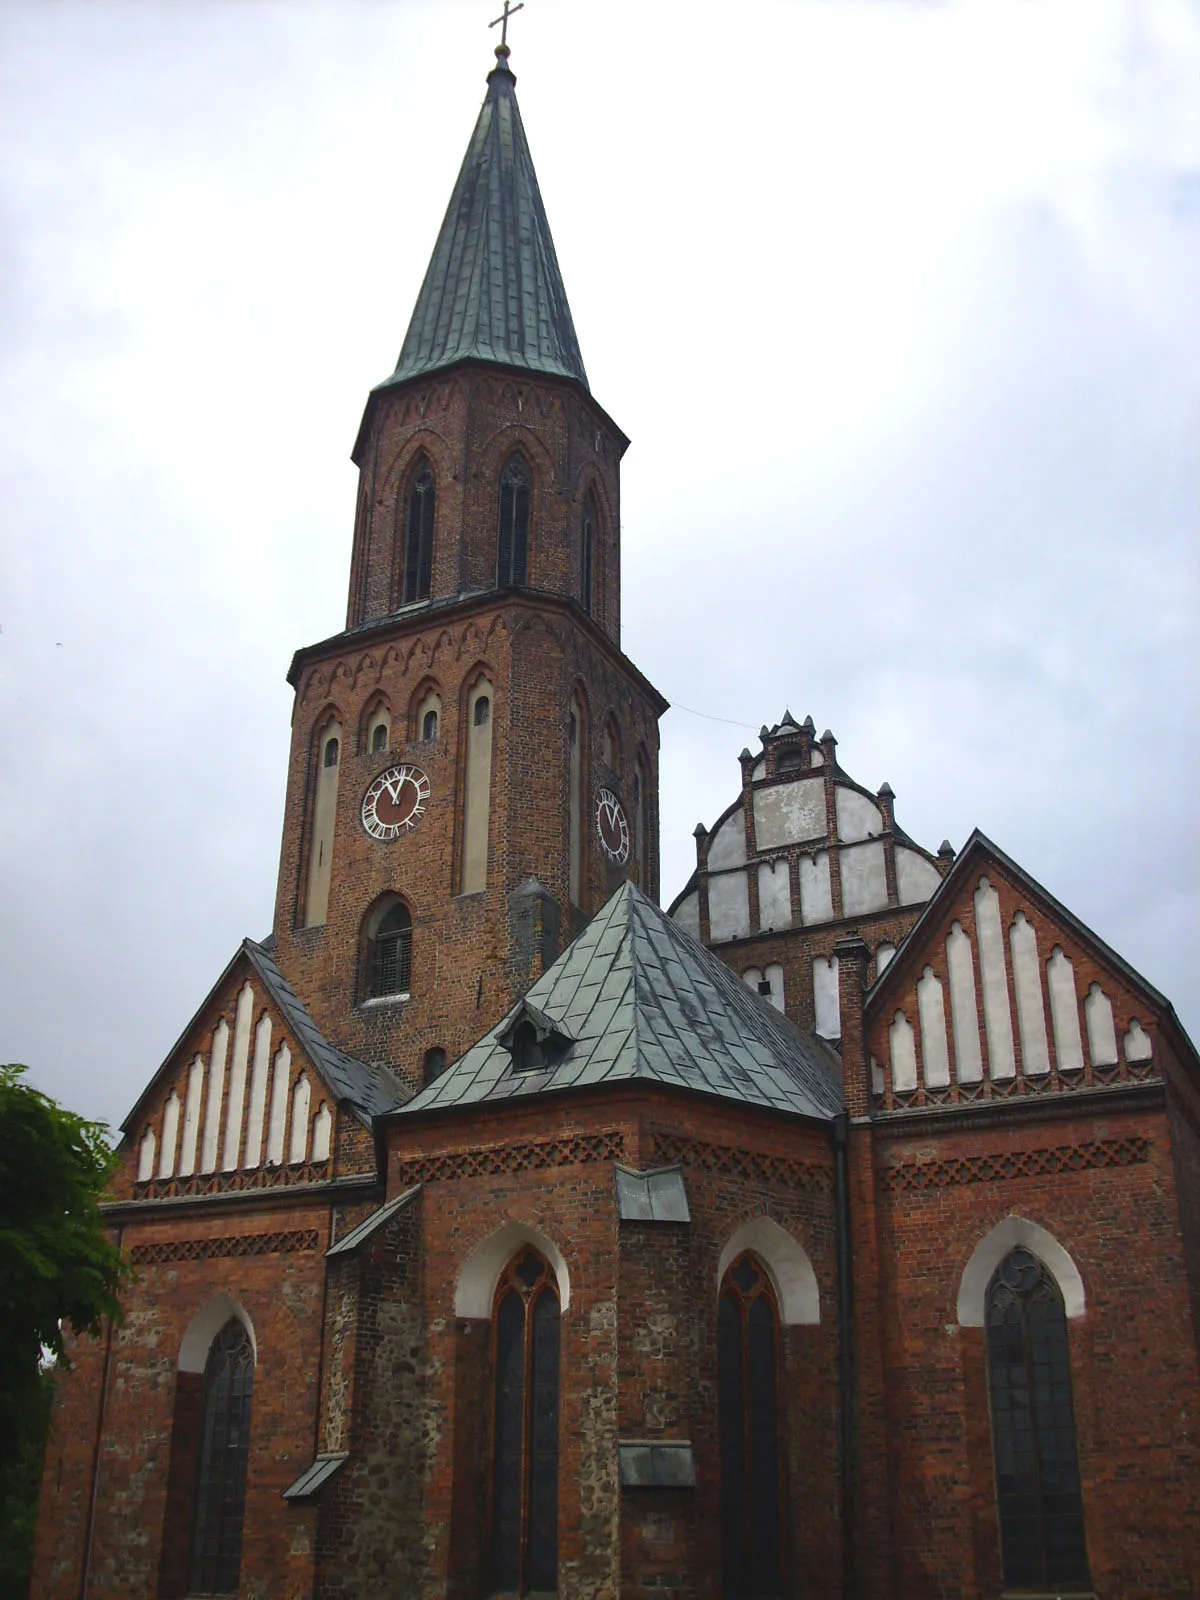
395 802
612 827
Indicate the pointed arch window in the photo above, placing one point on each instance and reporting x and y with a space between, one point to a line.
587 552
524 1534
1038 1492
512 534
224 1447
748 1349
418 542
389 951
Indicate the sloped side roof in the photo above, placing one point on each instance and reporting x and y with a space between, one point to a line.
642 1001
493 290
366 1089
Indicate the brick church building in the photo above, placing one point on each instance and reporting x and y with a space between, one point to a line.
835 1233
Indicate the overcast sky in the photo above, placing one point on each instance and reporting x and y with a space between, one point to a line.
898 302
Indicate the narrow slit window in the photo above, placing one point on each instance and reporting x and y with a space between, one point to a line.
587 554
418 544
379 736
512 536
331 752
429 727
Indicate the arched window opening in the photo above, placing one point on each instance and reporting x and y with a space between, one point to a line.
379 737
427 717
524 1553
418 544
328 745
640 841
434 1065
389 952
748 1413
527 1052
221 1479
587 553
478 784
512 536
575 801
1038 1491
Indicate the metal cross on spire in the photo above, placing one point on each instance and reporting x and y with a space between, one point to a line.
509 11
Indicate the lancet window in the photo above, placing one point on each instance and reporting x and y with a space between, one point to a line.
389 950
216 1556
512 534
587 553
418 542
748 1351
1038 1493
524 1523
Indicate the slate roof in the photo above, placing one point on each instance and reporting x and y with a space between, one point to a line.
643 1002
493 290
366 1089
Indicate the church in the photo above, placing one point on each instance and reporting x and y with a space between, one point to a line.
833 1232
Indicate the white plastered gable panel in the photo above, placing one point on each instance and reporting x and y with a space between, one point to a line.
250 1086
999 988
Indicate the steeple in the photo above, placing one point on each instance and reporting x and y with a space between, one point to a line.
493 290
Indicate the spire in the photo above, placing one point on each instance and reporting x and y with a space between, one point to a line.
493 290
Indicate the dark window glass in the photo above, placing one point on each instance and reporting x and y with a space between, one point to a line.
525 1430
587 554
429 727
221 1479
435 1063
391 953
1033 1429
379 737
418 543
483 710
527 1052
512 535
331 753
748 1419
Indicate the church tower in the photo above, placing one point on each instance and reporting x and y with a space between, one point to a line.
474 761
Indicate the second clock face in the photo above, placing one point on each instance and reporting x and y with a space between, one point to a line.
611 826
395 802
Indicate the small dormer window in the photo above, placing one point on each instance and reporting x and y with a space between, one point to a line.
527 1051
534 1042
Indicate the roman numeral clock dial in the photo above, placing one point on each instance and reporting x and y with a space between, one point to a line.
395 802
611 827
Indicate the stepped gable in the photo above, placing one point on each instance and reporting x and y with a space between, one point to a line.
493 290
634 999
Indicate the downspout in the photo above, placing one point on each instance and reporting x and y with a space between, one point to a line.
85 1575
841 1191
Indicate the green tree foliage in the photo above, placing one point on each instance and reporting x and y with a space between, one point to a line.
59 1271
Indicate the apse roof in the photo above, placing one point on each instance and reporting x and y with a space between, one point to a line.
493 290
636 999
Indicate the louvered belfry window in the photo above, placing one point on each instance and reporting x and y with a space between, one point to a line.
512 535
418 543
1038 1490
524 1555
748 1414
391 965
221 1480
